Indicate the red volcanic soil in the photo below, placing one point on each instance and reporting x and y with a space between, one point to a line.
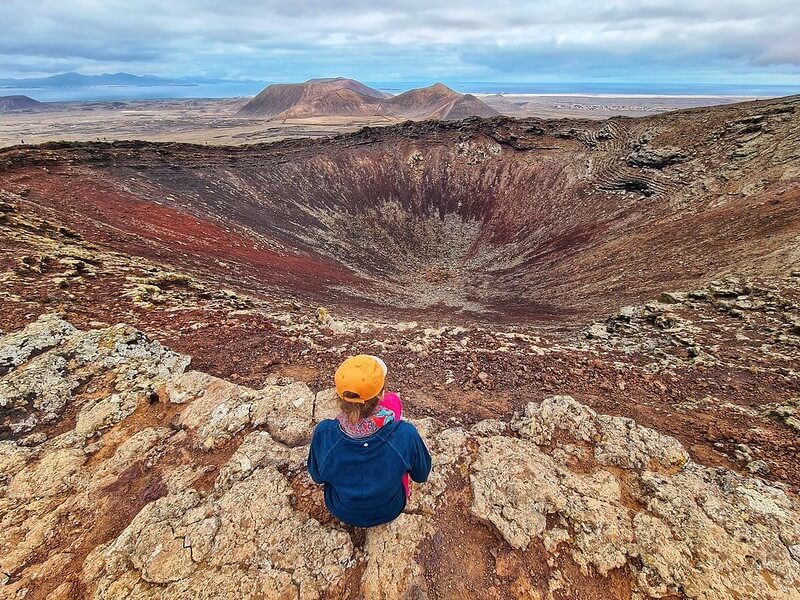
121 221
504 240
498 220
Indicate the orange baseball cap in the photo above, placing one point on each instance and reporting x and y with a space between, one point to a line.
362 375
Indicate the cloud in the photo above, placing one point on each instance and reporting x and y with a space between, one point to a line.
405 39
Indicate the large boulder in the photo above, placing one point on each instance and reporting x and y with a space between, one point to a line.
613 494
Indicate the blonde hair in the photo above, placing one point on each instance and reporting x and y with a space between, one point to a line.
355 411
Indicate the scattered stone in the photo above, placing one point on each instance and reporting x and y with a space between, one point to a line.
788 412
758 467
34 264
728 288
165 279
41 335
323 316
489 427
597 331
698 294
700 357
146 295
673 297
485 378
743 453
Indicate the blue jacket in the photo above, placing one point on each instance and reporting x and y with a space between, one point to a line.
362 476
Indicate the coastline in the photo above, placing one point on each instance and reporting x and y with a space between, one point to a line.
736 97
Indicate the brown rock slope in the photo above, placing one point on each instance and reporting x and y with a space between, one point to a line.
342 97
311 98
139 479
12 103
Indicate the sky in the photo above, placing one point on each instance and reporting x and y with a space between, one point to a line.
700 41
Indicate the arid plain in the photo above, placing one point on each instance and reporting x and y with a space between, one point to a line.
215 120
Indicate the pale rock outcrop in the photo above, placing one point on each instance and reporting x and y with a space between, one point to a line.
44 333
287 411
241 537
39 392
449 454
788 412
392 570
184 540
326 405
217 409
220 409
13 458
54 474
614 494
143 447
211 500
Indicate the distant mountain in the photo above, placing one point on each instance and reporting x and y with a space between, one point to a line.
437 102
312 98
77 80
12 103
341 97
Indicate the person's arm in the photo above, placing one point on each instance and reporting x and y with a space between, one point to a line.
420 460
312 463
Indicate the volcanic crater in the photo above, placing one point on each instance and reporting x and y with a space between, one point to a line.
490 219
466 252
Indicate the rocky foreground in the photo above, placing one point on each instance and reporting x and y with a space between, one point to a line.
126 475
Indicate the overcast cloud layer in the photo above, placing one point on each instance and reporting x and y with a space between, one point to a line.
466 40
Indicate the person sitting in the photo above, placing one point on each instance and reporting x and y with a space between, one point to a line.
365 455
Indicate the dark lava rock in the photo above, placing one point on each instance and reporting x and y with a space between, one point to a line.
657 158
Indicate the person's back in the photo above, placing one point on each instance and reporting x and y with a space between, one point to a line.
363 456
363 476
